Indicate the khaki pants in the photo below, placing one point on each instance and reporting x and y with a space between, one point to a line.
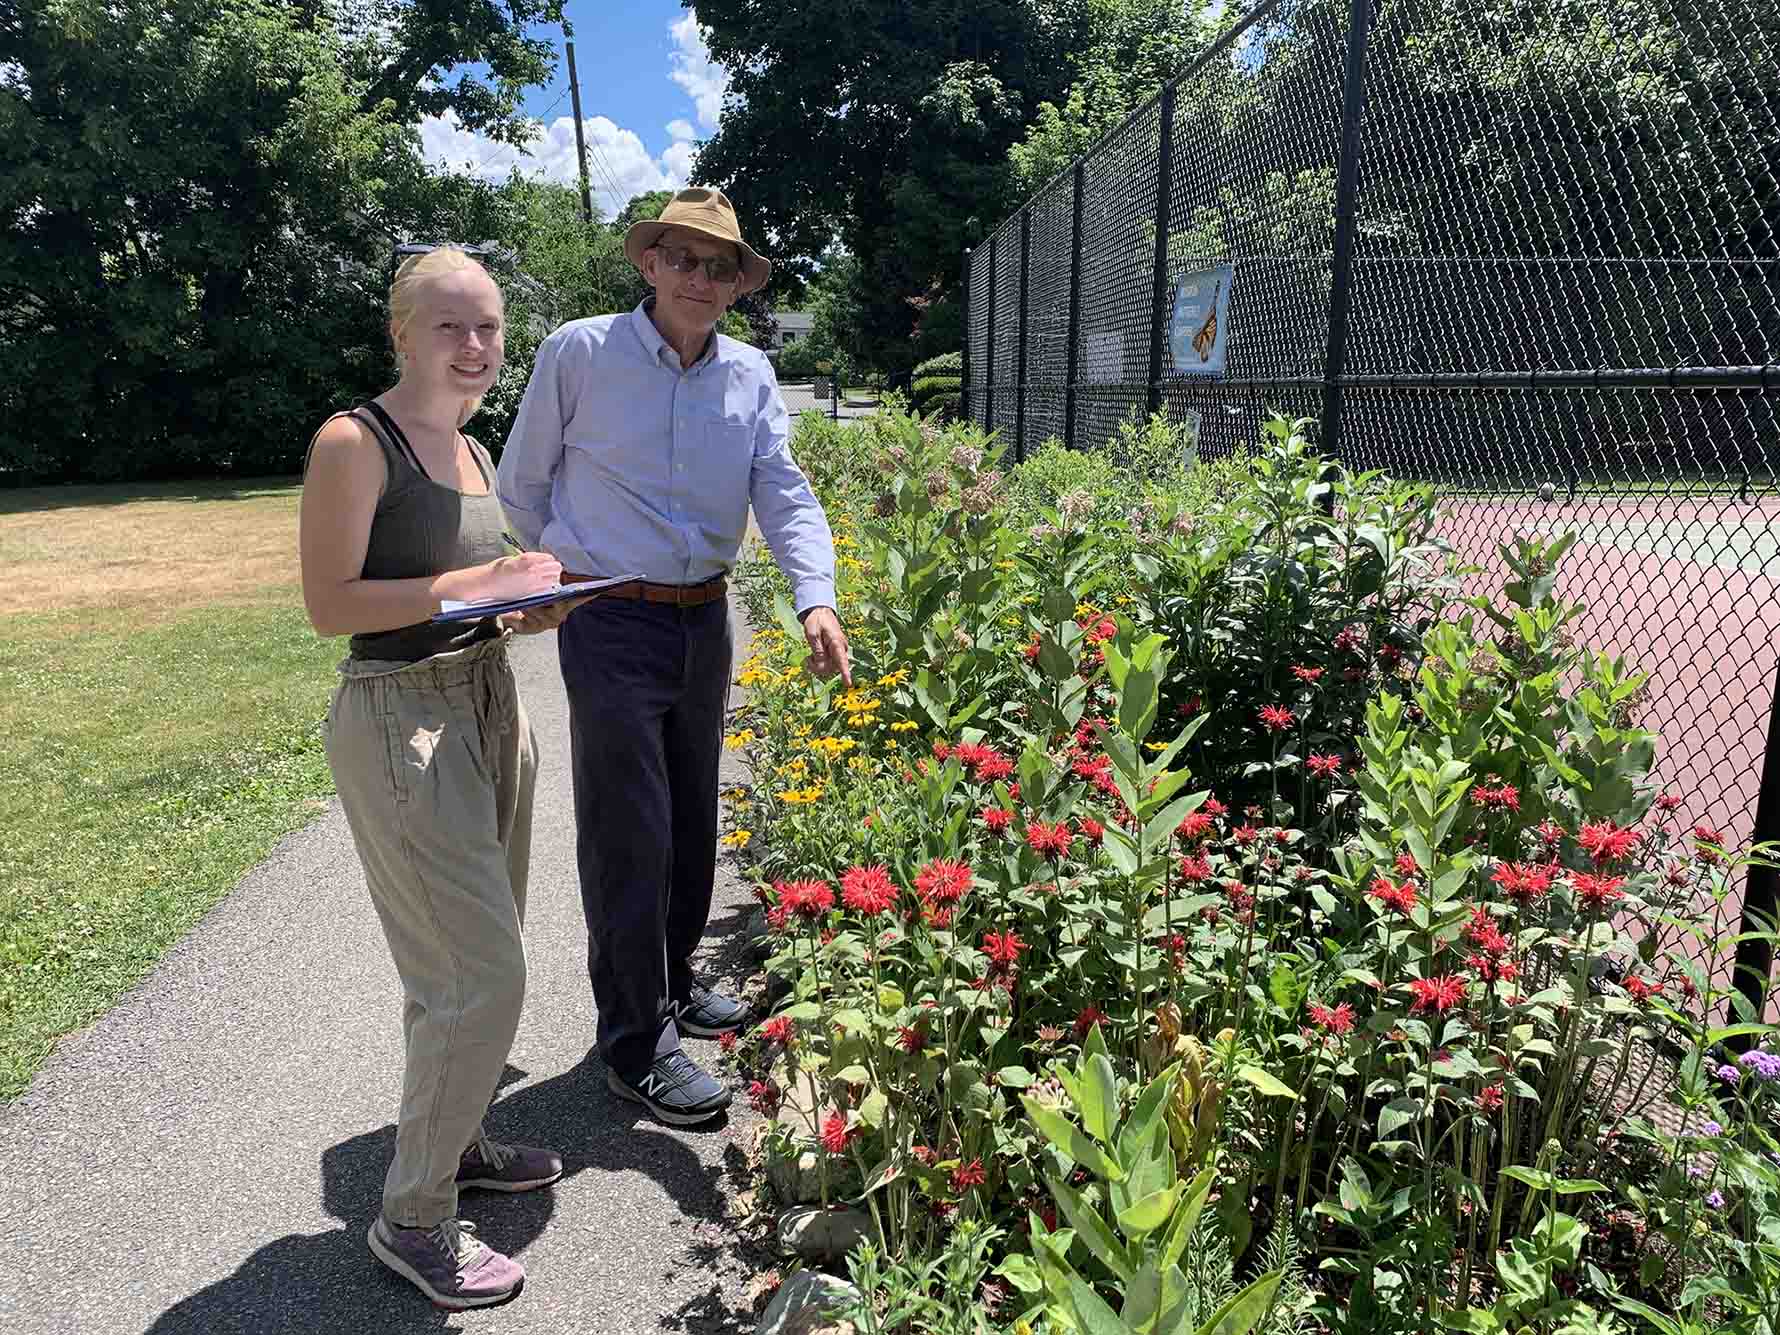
435 762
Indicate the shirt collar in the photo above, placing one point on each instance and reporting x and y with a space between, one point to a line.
655 345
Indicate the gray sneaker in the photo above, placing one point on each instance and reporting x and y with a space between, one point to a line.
674 1088
496 1167
447 1263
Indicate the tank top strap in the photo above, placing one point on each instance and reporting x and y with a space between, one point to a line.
389 434
484 462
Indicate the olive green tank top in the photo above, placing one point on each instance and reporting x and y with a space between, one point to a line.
423 528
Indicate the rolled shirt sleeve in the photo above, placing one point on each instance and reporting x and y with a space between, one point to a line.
526 476
786 509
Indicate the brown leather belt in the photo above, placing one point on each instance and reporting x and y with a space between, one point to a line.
680 595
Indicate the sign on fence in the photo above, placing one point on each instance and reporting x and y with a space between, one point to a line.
1199 332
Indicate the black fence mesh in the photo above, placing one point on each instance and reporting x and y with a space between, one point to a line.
1562 296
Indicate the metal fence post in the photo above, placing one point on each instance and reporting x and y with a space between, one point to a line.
1159 276
1020 372
964 409
1353 108
1761 885
1075 314
989 345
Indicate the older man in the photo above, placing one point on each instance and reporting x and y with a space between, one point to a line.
642 441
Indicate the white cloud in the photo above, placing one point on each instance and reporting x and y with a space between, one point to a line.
618 164
681 129
690 65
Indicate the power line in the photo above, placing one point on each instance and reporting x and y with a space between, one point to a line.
509 149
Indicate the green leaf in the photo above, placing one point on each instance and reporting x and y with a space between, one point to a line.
1101 1102
1396 1115
1091 1312
874 1108
1013 1077
1094 1231
1186 1217
1068 1137
1243 1313
1270 1085
1144 1217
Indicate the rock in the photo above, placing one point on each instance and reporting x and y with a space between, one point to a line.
816 1234
796 1176
803 1304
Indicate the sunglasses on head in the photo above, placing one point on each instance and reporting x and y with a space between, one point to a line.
718 268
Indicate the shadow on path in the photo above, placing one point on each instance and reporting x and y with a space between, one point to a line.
328 1282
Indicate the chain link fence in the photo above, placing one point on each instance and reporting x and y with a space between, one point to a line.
1525 250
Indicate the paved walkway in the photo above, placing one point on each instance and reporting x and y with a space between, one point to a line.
798 399
205 1159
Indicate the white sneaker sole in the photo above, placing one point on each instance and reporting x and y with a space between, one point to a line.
616 1084
497 1184
451 1302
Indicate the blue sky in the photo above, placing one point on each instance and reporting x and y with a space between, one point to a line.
649 93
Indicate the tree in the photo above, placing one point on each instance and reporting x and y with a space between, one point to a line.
401 55
187 248
884 125
1138 46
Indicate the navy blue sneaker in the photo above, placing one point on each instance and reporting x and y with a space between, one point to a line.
674 1088
710 1014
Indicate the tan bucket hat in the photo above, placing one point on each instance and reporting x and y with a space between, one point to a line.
709 213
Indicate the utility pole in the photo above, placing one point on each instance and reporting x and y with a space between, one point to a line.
580 144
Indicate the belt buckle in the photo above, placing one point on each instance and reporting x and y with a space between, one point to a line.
680 592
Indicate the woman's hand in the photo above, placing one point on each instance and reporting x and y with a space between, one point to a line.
536 619
519 575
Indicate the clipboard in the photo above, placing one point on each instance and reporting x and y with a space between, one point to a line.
450 611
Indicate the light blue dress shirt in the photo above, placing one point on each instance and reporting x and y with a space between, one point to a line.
621 462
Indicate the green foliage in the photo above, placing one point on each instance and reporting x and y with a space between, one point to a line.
947 363
1134 47
894 143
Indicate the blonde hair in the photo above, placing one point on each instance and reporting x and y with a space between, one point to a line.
404 298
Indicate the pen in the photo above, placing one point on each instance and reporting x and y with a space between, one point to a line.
511 541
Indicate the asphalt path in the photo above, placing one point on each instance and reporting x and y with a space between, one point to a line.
206 1158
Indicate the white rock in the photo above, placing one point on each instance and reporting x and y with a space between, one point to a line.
816 1234
805 1298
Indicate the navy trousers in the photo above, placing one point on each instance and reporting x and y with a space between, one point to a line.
647 688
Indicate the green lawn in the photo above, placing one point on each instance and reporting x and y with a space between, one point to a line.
146 763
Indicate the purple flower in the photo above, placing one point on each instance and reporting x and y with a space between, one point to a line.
1765 1065
1715 1200
1711 1129
1695 1172
1729 1074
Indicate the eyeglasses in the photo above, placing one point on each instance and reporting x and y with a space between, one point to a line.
718 268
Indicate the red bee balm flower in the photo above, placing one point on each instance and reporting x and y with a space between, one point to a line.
1525 885
969 1175
911 1038
1324 767
997 819
807 899
835 1133
1606 842
943 881
1598 891
1437 994
1195 869
1049 841
1276 718
1489 1098
868 890
781 1029
1003 949
1392 895
1334 1019
1308 675
1196 826
1091 830
1090 1016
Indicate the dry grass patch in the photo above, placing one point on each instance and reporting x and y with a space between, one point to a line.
169 547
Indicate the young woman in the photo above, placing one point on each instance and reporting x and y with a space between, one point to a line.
432 754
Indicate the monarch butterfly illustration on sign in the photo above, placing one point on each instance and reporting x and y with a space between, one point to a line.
1199 330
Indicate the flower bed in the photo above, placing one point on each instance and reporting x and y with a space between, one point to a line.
1196 913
